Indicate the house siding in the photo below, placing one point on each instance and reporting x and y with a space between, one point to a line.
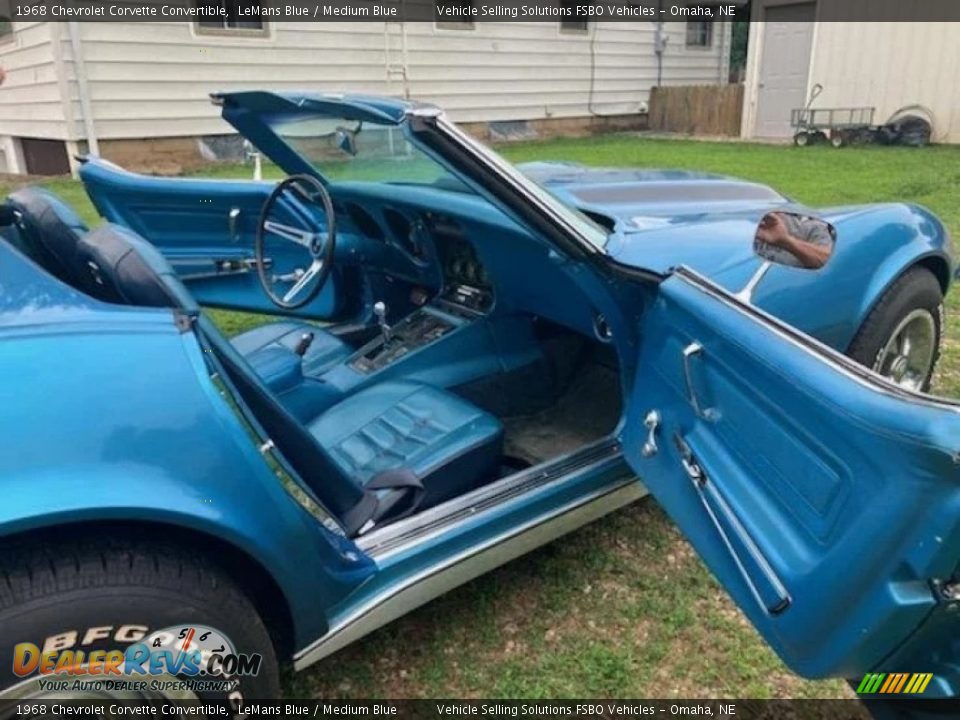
31 96
886 65
153 80
890 65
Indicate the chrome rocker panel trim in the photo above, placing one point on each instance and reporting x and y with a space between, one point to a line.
433 582
400 536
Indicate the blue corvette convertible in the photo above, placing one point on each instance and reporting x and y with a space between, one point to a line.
469 362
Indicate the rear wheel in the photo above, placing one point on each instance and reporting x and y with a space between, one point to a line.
900 339
801 139
114 598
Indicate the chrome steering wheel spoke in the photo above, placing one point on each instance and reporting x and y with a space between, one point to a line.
293 195
304 277
296 235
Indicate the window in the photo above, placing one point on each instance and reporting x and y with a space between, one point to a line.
700 33
454 14
572 24
231 16
6 29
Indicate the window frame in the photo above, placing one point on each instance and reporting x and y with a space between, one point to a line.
567 22
225 30
585 30
707 26
459 24
8 37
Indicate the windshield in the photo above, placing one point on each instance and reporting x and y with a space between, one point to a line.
353 150
594 233
341 149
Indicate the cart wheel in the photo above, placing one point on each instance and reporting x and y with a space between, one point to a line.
838 139
801 139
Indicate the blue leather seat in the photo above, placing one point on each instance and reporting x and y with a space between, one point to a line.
50 233
263 344
378 455
450 445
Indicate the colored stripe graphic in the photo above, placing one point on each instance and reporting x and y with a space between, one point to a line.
871 683
894 683
901 683
891 679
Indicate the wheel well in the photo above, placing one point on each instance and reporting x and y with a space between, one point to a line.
254 579
940 269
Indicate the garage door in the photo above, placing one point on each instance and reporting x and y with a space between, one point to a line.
784 67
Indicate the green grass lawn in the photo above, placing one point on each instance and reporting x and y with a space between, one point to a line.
623 607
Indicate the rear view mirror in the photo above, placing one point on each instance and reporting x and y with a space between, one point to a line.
794 240
346 141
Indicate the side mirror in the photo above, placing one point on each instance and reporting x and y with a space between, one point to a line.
794 240
346 141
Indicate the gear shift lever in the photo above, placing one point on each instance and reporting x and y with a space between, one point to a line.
380 310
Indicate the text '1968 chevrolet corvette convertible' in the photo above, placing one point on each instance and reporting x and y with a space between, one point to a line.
472 360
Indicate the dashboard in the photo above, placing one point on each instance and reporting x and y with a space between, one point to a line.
458 257
426 248
454 249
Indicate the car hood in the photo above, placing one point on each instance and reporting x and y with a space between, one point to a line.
664 218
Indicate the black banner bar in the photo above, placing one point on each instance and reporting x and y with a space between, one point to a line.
449 709
458 11
491 709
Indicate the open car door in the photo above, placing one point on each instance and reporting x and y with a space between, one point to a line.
826 500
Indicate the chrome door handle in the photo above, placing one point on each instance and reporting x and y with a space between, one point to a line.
689 352
233 223
651 422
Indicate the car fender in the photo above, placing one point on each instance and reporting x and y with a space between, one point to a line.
283 558
925 242
875 246
898 264
129 427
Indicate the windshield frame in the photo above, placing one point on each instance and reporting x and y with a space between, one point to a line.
465 158
576 228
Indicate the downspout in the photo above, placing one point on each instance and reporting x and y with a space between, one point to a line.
83 91
659 43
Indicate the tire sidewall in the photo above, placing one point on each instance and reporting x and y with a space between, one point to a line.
127 613
916 289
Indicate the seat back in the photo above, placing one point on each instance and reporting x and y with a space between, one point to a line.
338 492
50 232
134 272
128 270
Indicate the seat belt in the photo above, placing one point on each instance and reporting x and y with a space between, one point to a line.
360 518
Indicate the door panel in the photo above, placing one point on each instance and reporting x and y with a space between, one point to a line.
825 501
206 228
784 67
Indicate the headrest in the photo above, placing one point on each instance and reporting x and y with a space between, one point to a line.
127 269
50 230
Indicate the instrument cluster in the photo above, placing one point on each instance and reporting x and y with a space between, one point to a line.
458 258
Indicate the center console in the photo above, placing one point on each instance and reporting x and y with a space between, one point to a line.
456 306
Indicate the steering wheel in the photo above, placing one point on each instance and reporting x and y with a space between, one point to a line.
304 283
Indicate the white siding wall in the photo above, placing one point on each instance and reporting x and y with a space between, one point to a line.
886 65
30 98
152 80
889 65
